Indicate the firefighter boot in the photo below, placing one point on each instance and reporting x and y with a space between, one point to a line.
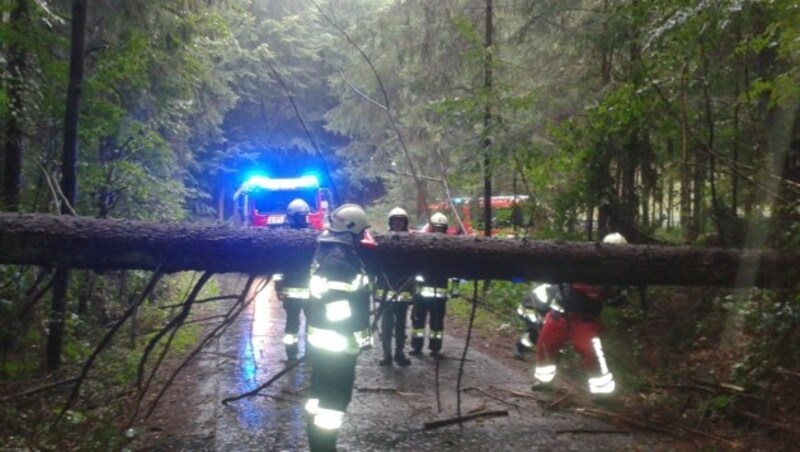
386 345
320 439
291 352
400 358
540 386
436 348
416 346
519 351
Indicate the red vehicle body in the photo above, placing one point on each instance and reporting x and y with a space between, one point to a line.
262 201
469 209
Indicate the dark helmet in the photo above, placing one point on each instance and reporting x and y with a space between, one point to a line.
297 214
398 215
438 222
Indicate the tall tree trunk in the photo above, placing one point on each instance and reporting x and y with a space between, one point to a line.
69 156
69 178
686 180
12 169
487 122
741 65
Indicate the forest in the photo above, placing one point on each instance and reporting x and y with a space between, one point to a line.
673 122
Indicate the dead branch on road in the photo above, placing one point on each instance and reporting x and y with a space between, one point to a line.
409 394
296 392
783 371
631 421
376 390
255 391
525 395
771 423
557 401
593 431
472 388
656 425
459 419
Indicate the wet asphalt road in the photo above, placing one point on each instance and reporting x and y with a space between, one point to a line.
390 405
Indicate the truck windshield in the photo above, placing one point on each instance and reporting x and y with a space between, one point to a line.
276 201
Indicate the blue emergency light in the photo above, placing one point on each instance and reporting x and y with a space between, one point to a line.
266 183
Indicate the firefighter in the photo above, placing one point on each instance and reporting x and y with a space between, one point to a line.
532 310
395 300
292 288
338 322
575 316
430 297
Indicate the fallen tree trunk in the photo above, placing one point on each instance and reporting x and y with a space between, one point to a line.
80 242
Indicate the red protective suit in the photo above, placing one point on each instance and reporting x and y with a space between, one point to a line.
575 317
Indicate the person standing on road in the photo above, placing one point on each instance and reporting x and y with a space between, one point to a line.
395 300
430 297
292 288
338 322
575 316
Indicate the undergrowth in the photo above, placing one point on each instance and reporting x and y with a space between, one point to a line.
33 401
719 359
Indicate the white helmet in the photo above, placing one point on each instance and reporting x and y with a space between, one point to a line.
298 207
297 214
438 222
400 214
349 218
615 238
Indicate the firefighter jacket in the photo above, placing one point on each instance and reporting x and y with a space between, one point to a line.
293 285
537 303
398 289
578 298
432 287
340 299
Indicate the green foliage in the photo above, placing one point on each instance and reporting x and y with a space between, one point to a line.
771 319
95 422
496 307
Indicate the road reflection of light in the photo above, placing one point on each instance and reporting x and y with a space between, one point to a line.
254 353
254 347
261 313
261 355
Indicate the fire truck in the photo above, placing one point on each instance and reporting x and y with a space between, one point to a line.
506 210
262 201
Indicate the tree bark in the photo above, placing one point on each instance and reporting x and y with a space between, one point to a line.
69 156
69 177
12 158
101 244
487 122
